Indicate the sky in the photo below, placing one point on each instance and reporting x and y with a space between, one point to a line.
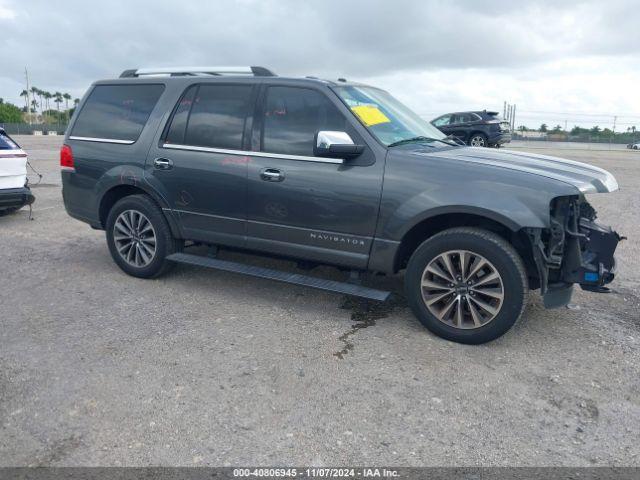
558 61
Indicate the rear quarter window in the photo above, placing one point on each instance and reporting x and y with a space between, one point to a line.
6 143
117 112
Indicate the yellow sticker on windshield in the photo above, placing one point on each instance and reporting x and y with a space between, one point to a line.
370 115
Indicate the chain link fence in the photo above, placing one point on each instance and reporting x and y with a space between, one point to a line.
34 129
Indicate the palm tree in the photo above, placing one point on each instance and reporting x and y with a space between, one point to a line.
57 99
76 101
25 94
66 97
35 91
47 96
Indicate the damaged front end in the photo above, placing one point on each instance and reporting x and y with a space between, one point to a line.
575 249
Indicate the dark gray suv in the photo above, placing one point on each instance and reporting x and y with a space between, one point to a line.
333 173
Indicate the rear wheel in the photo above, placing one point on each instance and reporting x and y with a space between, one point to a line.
139 237
478 140
467 285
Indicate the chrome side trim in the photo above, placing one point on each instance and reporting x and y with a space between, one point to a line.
190 212
193 148
102 140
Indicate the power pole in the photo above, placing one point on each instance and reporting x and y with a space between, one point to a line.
615 118
513 118
26 74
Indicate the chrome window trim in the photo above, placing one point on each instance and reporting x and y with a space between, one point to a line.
336 161
102 140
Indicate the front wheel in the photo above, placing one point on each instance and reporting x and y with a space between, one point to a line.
139 237
467 285
478 140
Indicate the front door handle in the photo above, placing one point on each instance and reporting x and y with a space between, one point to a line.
271 175
163 164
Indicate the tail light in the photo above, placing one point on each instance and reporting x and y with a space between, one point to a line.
66 158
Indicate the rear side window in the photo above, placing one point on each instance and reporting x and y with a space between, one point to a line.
293 116
6 143
177 129
217 116
117 112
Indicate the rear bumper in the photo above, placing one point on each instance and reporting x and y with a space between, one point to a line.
15 197
499 138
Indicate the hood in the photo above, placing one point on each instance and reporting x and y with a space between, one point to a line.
586 178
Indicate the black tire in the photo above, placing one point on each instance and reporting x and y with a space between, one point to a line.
165 245
480 139
493 248
9 211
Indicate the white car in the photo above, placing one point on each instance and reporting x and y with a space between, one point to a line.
14 192
635 146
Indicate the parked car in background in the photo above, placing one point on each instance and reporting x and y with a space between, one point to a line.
14 192
294 167
477 129
634 146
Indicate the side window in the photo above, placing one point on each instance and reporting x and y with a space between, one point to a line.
293 116
176 131
442 121
474 117
217 116
117 112
466 118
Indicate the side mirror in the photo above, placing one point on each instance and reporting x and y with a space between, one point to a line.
334 144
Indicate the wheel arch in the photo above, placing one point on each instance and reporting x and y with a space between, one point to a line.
117 192
428 227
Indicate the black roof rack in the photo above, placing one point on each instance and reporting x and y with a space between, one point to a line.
196 71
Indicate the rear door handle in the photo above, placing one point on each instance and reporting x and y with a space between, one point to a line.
271 175
163 164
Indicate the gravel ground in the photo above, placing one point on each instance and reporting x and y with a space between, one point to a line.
210 368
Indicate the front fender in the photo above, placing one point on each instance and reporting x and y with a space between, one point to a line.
417 188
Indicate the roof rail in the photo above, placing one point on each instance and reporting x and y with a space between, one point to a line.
197 71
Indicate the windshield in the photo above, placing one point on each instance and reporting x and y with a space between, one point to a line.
386 118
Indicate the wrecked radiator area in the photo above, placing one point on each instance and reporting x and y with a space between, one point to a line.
575 249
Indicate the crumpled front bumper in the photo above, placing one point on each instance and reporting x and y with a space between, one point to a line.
15 197
575 250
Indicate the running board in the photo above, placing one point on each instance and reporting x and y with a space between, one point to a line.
296 278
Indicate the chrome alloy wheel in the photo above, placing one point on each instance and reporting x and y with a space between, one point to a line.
462 289
135 238
477 141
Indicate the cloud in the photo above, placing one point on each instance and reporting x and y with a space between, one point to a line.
6 13
501 42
